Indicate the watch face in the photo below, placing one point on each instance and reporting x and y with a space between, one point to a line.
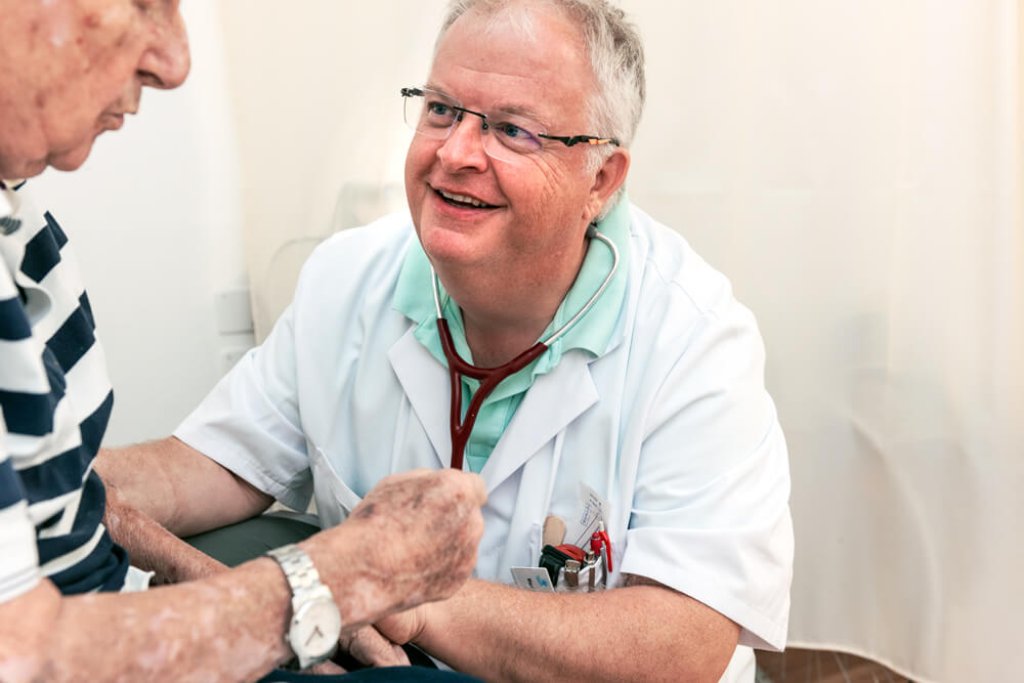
315 629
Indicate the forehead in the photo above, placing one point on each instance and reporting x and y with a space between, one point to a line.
528 59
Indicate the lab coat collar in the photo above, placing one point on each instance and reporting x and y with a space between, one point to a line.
425 381
551 404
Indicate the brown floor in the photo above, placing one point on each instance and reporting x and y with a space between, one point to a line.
817 666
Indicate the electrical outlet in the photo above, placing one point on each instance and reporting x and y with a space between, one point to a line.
234 311
229 357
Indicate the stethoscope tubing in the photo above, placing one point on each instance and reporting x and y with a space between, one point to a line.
491 377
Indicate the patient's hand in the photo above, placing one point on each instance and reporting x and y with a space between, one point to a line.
417 535
428 526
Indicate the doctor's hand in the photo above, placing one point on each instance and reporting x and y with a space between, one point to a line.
404 627
369 647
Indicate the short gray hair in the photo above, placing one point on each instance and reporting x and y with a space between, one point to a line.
616 56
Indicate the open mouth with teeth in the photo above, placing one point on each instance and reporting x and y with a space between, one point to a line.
463 201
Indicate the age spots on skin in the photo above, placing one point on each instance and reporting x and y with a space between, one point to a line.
367 511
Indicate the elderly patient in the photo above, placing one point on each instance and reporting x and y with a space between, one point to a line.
72 607
645 397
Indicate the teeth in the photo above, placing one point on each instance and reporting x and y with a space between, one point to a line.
463 199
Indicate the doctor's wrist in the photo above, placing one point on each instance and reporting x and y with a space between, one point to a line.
439 622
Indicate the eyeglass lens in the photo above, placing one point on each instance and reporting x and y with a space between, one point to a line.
505 136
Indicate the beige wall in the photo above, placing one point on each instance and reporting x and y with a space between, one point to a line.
155 221
314 86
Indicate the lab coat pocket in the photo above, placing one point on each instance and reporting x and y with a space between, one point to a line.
334 499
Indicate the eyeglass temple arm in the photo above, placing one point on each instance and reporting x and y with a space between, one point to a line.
569 141
416 92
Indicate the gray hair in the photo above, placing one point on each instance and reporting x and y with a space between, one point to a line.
616 57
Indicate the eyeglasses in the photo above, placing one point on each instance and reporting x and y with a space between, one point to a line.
506 136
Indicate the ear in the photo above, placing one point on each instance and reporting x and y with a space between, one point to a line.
607 181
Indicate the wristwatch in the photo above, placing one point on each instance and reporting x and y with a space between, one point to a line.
316 622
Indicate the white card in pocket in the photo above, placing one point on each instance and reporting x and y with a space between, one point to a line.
592 510
532 579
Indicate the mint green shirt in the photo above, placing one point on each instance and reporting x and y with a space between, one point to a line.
414 298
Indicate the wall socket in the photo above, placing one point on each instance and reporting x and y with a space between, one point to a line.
229 357
233 310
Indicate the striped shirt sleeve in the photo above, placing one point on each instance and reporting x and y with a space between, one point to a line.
19 559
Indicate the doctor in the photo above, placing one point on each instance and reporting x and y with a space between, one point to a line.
648 387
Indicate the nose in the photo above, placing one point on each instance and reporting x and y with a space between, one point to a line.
166 61
464 147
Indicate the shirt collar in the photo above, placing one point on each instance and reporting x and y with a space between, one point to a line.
6 202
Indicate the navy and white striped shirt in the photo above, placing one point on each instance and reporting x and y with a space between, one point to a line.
55 402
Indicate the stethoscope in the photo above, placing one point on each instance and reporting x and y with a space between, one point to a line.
490 378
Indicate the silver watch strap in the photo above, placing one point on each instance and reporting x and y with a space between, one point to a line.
310 599
298 568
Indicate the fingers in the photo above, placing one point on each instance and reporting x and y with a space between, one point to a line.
467 484
403 627
371 648
471 484
327 668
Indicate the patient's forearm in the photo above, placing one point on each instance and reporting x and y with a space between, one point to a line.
154 548
228 627
225 628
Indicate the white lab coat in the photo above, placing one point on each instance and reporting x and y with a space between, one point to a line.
672 426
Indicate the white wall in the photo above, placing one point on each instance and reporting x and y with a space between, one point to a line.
316 88
155 219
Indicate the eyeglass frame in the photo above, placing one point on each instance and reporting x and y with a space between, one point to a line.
567 140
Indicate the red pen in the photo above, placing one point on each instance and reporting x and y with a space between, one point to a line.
600 538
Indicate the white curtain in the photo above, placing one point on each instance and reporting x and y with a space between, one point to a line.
856 169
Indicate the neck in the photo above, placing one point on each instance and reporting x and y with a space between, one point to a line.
504 316
493 345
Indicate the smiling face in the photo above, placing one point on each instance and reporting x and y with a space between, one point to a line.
71 69
517 222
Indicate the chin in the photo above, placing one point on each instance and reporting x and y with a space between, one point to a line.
71 160
65 163
447 249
